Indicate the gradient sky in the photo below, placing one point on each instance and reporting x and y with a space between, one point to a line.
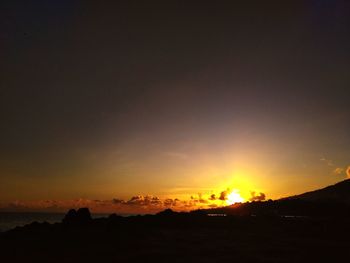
171 99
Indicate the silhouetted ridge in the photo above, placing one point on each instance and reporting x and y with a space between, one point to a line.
331 201
114 216
339 193
166 212
286 230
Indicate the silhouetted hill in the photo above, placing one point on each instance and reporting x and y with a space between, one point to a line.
312 227
337 193
285 208
331 201
179 237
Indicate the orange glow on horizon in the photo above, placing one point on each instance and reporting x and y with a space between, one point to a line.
234 197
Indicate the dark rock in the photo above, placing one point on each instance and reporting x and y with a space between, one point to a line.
77 217
84 215
70 216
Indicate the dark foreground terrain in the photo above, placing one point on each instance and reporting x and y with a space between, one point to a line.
180 237
312 227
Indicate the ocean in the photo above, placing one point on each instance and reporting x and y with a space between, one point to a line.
9 220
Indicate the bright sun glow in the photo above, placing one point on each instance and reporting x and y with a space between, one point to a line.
234 197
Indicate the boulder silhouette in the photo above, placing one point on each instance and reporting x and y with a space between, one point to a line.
70 216
83 215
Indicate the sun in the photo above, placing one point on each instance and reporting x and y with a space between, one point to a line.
234 197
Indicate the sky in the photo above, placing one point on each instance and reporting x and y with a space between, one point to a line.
136 106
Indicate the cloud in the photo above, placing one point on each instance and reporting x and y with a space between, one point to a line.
327 161
338 171
137 204
259 197
117 201
342 171
51 205
198 199
201 199
212 197
141 200
170 202
223 195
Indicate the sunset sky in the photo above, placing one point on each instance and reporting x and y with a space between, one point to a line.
135 106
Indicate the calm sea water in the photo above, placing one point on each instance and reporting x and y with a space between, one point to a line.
11 220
